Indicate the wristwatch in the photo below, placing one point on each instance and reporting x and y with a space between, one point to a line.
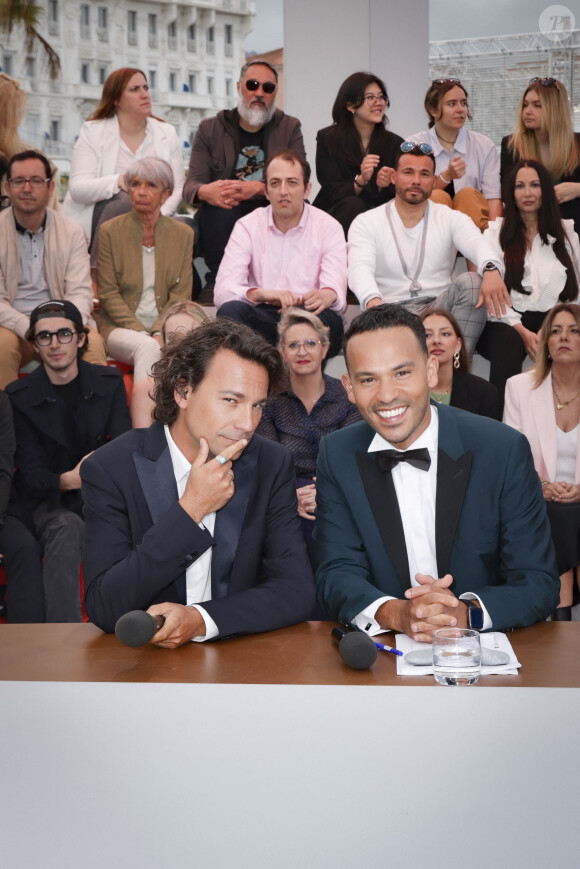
490 267
474 615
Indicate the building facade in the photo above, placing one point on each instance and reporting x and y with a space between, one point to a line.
191 53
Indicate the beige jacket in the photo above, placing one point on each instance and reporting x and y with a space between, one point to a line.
120 270
66 261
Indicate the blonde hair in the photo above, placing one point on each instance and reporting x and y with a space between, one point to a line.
12 105
556 124
543 358
192 309
296 316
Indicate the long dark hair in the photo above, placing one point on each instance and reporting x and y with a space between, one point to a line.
346 140
512 235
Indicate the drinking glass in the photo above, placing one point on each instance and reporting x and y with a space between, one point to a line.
456 656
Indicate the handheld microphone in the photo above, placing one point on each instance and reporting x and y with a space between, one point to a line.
356 649
138 627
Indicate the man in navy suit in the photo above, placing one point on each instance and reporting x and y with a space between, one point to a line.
195 518
427 516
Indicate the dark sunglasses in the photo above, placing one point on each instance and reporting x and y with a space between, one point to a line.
253 84
446 81
423 147
546 82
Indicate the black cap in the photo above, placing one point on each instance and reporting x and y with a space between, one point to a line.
57 308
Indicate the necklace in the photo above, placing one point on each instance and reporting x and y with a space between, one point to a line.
439 396
560 405
449 141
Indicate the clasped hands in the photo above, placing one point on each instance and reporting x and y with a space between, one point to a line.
385 175
427 607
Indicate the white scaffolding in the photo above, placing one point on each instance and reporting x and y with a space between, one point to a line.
495 71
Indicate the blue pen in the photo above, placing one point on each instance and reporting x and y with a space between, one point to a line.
388 649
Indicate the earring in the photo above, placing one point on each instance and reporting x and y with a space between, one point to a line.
456 362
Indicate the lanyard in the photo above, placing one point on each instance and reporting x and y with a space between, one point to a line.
414 286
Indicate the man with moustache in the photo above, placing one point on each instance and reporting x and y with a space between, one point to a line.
289 254
427 516
228 155
195 518
405 251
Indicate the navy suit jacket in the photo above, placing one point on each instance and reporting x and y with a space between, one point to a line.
139 540
491 529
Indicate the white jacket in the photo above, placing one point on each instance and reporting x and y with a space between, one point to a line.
93 173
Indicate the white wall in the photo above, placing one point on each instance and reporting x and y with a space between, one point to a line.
327 40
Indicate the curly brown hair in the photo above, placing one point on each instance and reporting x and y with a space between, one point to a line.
185 362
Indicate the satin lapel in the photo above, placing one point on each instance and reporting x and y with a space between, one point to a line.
383 502
229 522
157 481
452 479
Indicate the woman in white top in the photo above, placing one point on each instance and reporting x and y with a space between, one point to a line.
542 258
466 163
120 131
544 404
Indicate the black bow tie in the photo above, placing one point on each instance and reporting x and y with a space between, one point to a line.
387 459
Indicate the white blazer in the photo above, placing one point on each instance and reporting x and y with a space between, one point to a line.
532 412
93 173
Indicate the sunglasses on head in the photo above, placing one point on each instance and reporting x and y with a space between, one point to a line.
545 82
423 147
446 81
253 84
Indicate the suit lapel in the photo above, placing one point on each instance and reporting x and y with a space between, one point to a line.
230 520
452 479
544 416
155 472
380 491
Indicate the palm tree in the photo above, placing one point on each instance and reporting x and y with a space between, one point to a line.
23 13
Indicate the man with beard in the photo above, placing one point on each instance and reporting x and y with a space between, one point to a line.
405 252
228 156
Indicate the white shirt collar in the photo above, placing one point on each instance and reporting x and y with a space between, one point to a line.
181 467
429 438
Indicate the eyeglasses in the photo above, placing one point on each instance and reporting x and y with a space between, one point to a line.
446 81
309 345
423 147
34 182
63 336
253 84
374 98
545 82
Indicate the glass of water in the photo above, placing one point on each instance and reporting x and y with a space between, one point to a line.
456 656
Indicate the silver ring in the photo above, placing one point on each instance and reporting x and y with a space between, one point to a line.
221 460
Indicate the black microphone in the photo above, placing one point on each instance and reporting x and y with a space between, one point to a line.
356 649
138 627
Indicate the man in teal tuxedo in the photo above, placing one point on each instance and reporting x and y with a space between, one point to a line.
427 516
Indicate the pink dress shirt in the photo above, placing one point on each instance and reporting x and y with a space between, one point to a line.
310 256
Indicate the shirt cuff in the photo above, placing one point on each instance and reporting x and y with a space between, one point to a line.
365 621
211 629
487 622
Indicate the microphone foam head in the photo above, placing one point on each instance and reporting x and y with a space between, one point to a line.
358 651
135 628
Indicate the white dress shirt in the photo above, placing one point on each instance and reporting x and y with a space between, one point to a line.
198 574
416 492
479 153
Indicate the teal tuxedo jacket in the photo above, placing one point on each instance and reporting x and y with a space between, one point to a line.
492 532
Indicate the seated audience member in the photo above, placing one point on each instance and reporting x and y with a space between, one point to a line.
455 386
43 256
180 318
62 412
541 253
427 516
544 404
405 251
466 163
355 155
544 132
7 447
228 155
144 266
120 131
289 254
313 405
195 517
